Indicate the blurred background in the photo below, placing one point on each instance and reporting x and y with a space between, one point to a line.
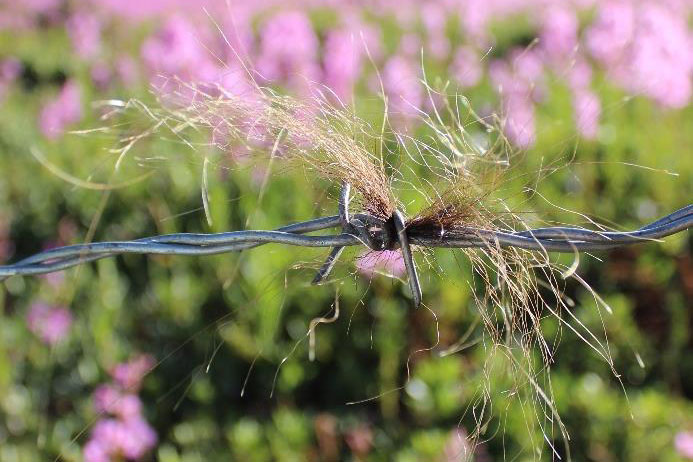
178 359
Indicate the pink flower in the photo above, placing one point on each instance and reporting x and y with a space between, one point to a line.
126 69
140 10
129 375
521 74
50 324
10 69
389 262
112 438
527 66
439 47
289 50
519 86
41 6
579 74
519 120
558 36
661 59
84 30
65 110
342 61
466 67
587 109
106 398
434 17
645 48
101 75
138 438
410 45
126 434
683 442
128 407
402 87
175 51
94 451
612 32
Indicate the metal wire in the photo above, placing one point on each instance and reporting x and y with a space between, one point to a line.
361 229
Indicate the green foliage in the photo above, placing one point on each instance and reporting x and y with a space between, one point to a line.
223 324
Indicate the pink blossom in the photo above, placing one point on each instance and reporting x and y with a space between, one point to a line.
105 398
558 36
519 123
439 47
410 45
94 451
112 400
125 435
126 69
84 30
434 17
140 10
527 66
466 67
138 437
645 48
288 50
402 87
342 61
128 407
520 74
101 75
579 74
129 375
389 262
10 69
519 80
175 51
110 438
683 442
50 324
612 31
661 58
587 109
65 110
41 6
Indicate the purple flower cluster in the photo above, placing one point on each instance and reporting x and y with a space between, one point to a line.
124 434
49 323
63 111
643 46
646 48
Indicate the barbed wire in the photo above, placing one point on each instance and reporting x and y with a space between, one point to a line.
360 229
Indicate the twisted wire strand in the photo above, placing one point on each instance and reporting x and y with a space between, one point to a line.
555 239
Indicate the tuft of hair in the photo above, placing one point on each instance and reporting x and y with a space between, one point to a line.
312 133
473 161
469 159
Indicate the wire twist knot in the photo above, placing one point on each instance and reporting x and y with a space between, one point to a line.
377 235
